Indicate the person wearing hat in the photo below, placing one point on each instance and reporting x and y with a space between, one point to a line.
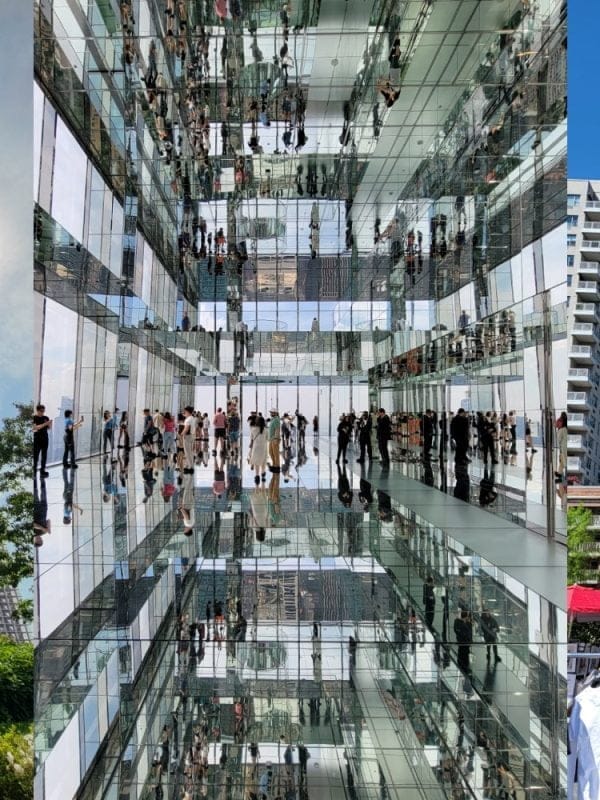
274 439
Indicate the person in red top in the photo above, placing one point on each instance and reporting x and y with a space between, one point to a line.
219 423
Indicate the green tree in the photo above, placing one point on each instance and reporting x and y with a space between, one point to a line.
16 512
16 762
16 681
578 533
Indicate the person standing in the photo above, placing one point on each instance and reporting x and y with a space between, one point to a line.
384 434
364 437
459 431
489 631
429 601
258 448
123 442
189 436
41 425
219 424
274 439
303 759
428 431
343 437
169 447
512 424
108 433
463 630
69 439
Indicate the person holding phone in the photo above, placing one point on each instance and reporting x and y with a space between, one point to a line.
69 439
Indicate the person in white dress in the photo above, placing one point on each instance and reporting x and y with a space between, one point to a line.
258 448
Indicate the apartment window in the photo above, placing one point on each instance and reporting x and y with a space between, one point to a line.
571 239
569 280
570 261
573 200
572 220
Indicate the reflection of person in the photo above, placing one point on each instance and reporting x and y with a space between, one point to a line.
41 523
259 504
274 506
487 491
68 489
344 491
187 509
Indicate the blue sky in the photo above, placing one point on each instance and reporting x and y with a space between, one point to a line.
16 143
583 98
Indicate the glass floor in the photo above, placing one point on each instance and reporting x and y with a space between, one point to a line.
285 647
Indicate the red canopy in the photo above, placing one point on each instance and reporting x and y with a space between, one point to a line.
583 603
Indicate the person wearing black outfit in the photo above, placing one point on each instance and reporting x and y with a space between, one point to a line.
459 431
41 426
489 631
303 756
384 434
344 430
429 601
364 437
428 431
487 439
463 630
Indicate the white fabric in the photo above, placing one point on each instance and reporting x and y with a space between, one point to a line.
258 453
584 735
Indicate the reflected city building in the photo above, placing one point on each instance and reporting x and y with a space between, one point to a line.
348 218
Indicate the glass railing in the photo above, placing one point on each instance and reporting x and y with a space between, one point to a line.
576 397
593 204
592 225
579 373
584 307
581 349
590 243
588 286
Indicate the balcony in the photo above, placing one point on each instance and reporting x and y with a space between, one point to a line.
590 249
580 377
592 209
588 290
585 332
595 523
578 400
591 228
585 311
591 548
589 268
575 444
574 465
577 422
581 353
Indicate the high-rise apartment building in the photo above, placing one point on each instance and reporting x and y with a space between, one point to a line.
583 279
320 209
